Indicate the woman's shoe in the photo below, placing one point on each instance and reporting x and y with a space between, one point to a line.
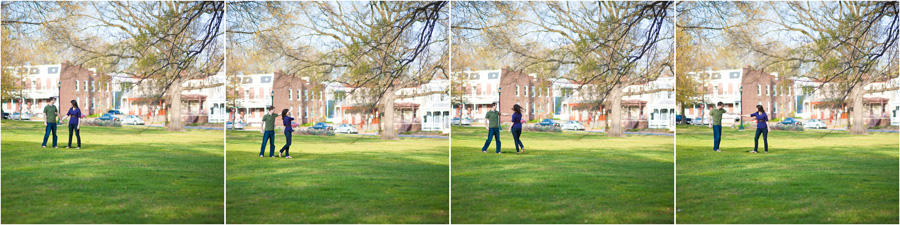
288 157
261 156
754 152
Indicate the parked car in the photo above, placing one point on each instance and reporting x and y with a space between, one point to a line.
815 124
294 124
346 129
115 112
108 116
133 120
458 121
22 116
5 115
237 126
790 121
321 126
573 125
700 121
549 122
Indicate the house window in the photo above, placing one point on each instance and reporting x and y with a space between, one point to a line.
291 94
85 85
532 91
76 85
305 94
526 91
517 90
767 90
758 90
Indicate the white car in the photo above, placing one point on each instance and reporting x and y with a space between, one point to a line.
133 120
17 116
815 124
346 129
573 125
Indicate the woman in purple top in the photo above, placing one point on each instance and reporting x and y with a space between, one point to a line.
761 128
516 128
288 129
74 116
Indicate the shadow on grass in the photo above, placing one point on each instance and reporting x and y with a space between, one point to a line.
558 180
806 179
111 183
330 181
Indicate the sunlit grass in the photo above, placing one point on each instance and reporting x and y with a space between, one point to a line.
808 177
121 175
562 178
340 179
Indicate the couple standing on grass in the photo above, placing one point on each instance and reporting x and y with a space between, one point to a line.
268 132
50 121
761 128
493 127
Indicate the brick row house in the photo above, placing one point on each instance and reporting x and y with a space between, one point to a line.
558 99
790 96
66 82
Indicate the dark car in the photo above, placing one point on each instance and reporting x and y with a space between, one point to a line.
790 121
108 117
115 112
548 122
321 126
5 115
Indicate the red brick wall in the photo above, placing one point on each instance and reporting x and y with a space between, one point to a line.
285 84
67 77
756 80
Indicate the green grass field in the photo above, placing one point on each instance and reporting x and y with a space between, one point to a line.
562 178
120 175
808 177
339 179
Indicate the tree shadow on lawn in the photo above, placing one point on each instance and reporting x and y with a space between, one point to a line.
806 179
583 185
380 187
122 183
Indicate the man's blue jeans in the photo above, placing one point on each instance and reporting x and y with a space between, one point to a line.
51 127
269 136
717 136
494 133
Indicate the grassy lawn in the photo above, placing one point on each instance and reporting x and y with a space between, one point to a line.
120 175
339 179
808 177
562 178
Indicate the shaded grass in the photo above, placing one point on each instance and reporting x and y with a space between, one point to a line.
562 178
808 177
341 179
121 175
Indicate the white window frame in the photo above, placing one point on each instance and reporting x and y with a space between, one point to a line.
517 90
290 94
76 85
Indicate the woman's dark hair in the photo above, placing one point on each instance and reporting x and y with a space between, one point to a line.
517 108
284 112
74 103
760 109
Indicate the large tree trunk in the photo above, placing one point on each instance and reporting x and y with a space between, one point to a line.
615 121
858 125
174 112
388 100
